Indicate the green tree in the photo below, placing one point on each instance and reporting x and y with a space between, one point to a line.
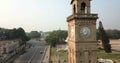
15 34
113 34
98 34
21 34
34 34
52 40
56 37
104 38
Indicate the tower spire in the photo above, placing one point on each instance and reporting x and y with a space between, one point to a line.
81 6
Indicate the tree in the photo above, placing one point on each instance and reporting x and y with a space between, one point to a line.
104 38
52 40
34 34
97 35
112 34
21 34
15 34
56 37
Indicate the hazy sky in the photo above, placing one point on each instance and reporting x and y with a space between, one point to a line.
48 15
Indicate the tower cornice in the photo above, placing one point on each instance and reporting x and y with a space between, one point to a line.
82 16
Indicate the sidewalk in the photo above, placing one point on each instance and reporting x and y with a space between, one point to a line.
11 60
47 55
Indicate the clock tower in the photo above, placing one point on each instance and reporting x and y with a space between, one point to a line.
82 43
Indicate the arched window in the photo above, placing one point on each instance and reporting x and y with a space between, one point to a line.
80 61
83 6
89 61
74 9
89 53
80 53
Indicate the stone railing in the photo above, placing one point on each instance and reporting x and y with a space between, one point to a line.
82 16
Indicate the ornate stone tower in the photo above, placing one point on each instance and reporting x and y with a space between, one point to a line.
82 33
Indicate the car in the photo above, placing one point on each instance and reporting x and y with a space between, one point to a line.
41 52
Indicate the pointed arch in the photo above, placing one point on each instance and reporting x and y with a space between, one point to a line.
74 9
83 5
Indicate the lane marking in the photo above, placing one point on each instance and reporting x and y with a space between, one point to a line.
32 56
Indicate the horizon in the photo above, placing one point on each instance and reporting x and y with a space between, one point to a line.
35 15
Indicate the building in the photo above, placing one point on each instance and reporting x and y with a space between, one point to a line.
10 48
82 43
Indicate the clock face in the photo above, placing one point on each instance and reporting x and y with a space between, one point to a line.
85 32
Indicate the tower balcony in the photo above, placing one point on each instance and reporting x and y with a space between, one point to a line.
82 16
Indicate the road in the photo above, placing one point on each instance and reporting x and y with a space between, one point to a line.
116 47
35 54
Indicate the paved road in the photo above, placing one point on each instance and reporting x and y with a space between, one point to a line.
116 47
34 55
